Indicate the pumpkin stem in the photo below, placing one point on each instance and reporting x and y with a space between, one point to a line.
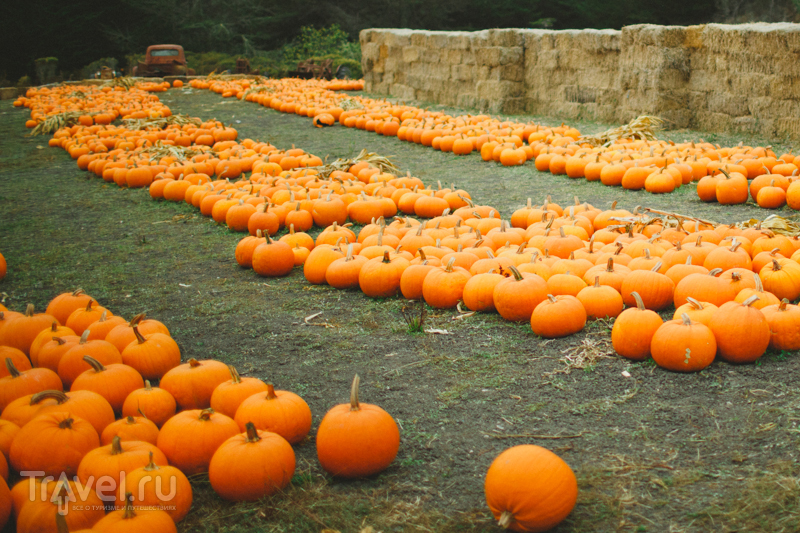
139 337
12 370
252 434
696 304
129 512
450 263
94 363
193 363
714 272
147 385
84 337
639 302
235 378
78 292
775 265
54 325
656 268
151 466
29 310
783 304
135 320
56 395
517 274
205 414
686 320
610 265
130 420
750 301
506 518
597 281
552 298
271 392
354 406
688 260
66 423
386 257
116 445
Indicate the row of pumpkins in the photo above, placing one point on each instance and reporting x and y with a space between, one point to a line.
652 165
113 426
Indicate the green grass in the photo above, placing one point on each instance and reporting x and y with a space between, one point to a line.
452 394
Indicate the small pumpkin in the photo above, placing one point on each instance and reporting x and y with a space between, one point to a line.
22 330
72 364
152 355
633 331
357 439
115 460
64 304
86 405
190 438
122 336
655 289
558 316
80 319
149 483
443 287
683 345
251 466
479 291
77 510
113 382
154 403
193 383
697 311
130 428
17 384
600 301
229 395
380 277
784 325
517 296
529 488
273 258
46 336
742 331
276 411
130 519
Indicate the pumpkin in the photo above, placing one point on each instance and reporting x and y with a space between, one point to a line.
100 329
160 486
53 443
80 319
655 289
276 411
114 461
782 280
46 336
443 287
5 495
683 345
529 488
252 465
380 277
65 503
697 311
343 272
610 274
87 405
190 438
18 384
64 304
8 430
151 355
478 292
113 382
356 439
72 364
316 265
229 395
122 336
558 316
784 325
726 258
413 277
742 331
273 258
600 301
22 330
633 331
193 383
517 296
764 298
130 428
704 288
154 403
129 519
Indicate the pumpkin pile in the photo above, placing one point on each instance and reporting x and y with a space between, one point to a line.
656 166
78 403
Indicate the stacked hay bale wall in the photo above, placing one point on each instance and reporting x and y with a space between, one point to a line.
718 78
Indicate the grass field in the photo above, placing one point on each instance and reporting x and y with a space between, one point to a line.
656 451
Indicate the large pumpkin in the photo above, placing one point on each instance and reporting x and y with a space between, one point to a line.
357 439
21 331
517 296
443 287
558 316
252 465
113 382
530 489
53 443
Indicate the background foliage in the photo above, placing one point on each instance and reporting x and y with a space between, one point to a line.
274 34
